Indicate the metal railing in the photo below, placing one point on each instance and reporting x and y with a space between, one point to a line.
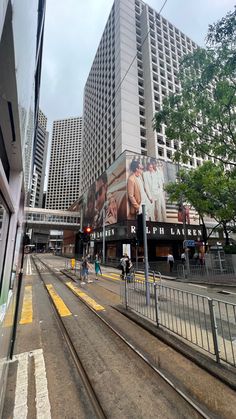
207 323
76 269
203 274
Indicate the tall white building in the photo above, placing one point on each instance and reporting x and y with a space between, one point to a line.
39 162
135 67
64 168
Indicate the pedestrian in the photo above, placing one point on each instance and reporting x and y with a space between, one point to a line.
97 267
183 258
170 261
129 266
123 264
85 271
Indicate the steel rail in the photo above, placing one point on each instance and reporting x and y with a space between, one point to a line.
195 405
98 410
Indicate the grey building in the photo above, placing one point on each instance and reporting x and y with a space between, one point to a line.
64 168
39 162
134 68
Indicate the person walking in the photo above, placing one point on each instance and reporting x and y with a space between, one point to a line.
85 271
183 258
97 267
170 261
123 263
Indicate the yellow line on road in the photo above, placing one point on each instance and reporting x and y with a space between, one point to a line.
92 303
112 276
59 303
27 308
139 276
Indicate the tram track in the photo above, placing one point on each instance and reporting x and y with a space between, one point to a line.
94 400
202 411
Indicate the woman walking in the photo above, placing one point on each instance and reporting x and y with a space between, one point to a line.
97 267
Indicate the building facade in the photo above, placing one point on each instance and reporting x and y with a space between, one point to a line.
134 68
113 202
65 163
39 162
20 70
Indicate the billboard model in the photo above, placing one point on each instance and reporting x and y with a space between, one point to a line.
118 194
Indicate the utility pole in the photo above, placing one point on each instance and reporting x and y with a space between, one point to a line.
103 237
185 236
184 225
145 254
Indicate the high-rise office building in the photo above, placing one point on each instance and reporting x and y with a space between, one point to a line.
135 67
39 162
64 168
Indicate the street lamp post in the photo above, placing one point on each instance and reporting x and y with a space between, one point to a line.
103 238
145 254
183 211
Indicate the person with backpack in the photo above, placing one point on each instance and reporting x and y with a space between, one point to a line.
124 265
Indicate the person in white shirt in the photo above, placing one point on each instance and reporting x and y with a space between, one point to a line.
170 261
183 258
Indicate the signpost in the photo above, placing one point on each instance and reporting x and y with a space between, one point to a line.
188 243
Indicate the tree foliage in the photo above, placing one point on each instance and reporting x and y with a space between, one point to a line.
202 116
211 191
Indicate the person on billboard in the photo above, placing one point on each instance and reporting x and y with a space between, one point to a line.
161 201
100 200
151 186
111 213
136 190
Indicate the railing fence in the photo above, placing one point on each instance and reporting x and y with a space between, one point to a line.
207 323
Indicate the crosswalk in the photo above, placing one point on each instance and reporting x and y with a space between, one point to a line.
43 408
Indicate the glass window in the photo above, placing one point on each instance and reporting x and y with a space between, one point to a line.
4 226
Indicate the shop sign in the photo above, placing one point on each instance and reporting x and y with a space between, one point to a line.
167 231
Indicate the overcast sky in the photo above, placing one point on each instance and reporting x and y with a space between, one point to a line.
73 29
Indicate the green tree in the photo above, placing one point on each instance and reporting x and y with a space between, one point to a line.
202 115
211 191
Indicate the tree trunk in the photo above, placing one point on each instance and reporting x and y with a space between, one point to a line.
204 230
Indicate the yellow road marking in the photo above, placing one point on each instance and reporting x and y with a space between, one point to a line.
59 303
112 276
139 276
85 297
27 308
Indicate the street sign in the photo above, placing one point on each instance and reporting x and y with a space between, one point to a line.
188 243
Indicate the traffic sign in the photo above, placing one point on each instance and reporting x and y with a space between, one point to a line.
188 243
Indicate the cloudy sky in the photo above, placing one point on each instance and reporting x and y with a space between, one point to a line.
73 29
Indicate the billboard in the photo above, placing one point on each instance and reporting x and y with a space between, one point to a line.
118 194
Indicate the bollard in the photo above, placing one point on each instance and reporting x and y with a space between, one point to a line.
72 263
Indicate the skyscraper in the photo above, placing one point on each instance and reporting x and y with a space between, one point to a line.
64 169
39 162
135 67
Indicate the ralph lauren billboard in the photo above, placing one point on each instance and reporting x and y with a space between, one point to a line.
118 194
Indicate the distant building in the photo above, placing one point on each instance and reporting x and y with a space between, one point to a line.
65 161
135 67
39 162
